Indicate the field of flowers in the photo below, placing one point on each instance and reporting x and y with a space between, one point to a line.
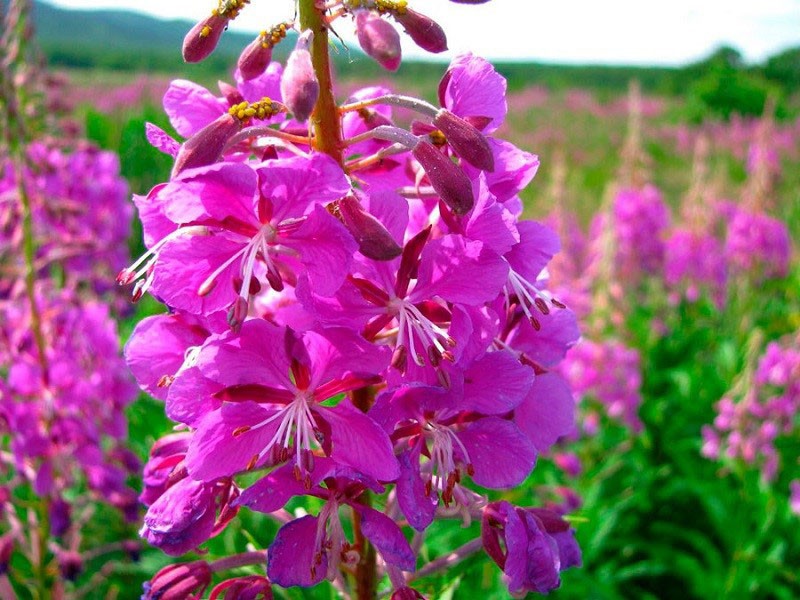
647 361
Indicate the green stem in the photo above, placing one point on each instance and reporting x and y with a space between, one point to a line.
325 118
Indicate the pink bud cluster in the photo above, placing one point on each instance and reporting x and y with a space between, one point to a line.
749 423
375 326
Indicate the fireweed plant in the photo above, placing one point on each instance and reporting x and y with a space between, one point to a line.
358 319
63 458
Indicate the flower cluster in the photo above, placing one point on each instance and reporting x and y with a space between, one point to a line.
764 407
607 372
63 228
367 321
81 214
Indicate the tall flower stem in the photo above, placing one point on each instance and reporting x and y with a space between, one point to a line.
325 118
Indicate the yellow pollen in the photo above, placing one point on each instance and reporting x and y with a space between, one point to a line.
205 32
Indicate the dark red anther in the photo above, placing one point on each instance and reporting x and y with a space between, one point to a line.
237 313
557 304
400 358
274 278
535 322
542 306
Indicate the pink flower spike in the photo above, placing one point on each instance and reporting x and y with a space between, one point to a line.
299 85
378 39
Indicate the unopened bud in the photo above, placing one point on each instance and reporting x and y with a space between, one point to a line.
447 179
373 239
206 146
203 38
378 39
426 33
6 550
230 93
178 582
465 140
406 593
70 564
299 85
251 587
254 59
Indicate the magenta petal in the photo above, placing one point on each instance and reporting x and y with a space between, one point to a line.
256 355
182 518
538 244
161 140
326 250
359 442
223 191
216 452
191 397
292 554
475 89
490 222
337 351
459 270
157 348
190 107
387 537
272 492
267 84
294 185
418 507
155 225
501 454
496 383
184 265
548 411
547 347
513 170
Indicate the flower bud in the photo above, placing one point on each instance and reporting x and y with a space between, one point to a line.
206 146
465 140
60 517
447 179
299 85
6 550
378 39
254 59
70 564
406 593
203 38
426 33
373 239
179 582
251 587
230 93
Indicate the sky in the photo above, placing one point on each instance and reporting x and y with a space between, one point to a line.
647 32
